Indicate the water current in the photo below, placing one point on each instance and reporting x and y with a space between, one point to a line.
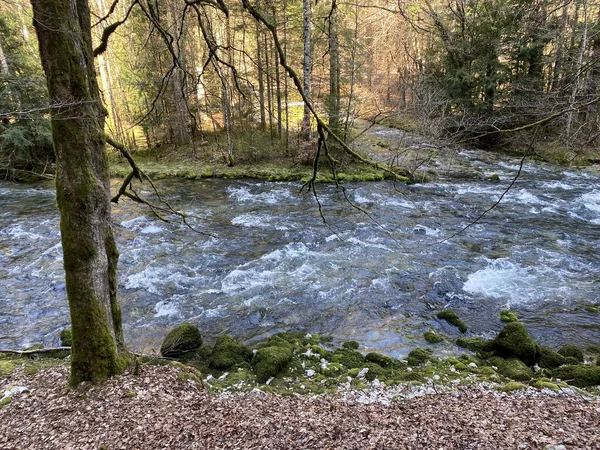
273 265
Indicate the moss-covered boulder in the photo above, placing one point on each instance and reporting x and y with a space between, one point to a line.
228 352
351 345
348 358
380 360
549 359
512 368
508 316
375 371
432 337
182 339
579 375
269 361
571 351
418 356
66 338
6 368
452 318
515 342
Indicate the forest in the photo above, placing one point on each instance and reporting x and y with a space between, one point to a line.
204 80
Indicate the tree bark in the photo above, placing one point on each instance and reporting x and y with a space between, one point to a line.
306 68
82 188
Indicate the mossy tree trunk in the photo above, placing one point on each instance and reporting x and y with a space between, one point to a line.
82 188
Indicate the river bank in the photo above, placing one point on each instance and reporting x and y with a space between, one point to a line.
159 409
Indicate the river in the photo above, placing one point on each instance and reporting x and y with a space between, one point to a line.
273 265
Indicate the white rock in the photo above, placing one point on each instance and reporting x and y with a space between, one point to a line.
473 365
436 377
310 373
362 373
14 391
269 380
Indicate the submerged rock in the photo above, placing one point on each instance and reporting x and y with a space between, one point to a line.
452 318
515 342
180 340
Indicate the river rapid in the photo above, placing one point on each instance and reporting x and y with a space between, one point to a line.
273 265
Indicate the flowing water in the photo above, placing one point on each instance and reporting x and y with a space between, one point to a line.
273 265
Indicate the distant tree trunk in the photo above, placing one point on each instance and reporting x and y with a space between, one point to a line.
558 58
307 68
334 70
261 83
285 80
82 188
269 86
578 67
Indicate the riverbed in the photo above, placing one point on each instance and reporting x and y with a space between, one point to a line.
271 263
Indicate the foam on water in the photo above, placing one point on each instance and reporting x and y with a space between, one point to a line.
591 200
270 197
166 308
257 220
513 283
155 279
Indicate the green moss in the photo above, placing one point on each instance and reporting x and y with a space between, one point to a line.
351 345
432 337
5 401
66 338
549 359
269 361
348 358
508 316
545 384
318 350
511 386
228 352
34 347
475 344
130 394
571 351
592 308
180 340
380 360
452 318
512 368
493 177
354 372
375 371
6 368
334 370
514 341
579 375
418 356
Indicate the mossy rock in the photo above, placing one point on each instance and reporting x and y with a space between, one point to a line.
432 337
493 177
5 401
508 316
335 370
380 360
418 357
348 358
318 350
579 375
66 338
375 371
182 339
6 368
511 386
571 351
545 384
269 361
549 359
351 345
228 352
592 308
475 344
452 318
514 341
512 368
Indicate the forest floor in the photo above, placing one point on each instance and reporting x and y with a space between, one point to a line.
259 156
159 409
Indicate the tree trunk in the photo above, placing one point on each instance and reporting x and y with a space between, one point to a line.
261 84
82 188
307 67
334 71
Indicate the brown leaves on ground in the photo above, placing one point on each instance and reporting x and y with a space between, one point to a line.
155 410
